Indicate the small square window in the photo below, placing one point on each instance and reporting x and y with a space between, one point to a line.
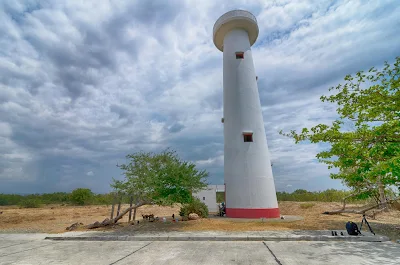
204 198
248 137
239 55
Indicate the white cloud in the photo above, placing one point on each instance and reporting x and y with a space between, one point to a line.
85 83
90 173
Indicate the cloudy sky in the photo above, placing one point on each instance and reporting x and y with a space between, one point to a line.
83 83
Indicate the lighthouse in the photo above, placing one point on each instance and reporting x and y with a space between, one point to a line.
249 183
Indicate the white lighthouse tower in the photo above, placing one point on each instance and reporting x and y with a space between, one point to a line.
249 184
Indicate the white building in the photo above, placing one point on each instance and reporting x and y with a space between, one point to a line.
209 196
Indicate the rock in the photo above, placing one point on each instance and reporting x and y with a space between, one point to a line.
73 226
105 221
94 225
193 216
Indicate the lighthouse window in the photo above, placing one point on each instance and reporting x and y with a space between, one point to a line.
239 55
248 137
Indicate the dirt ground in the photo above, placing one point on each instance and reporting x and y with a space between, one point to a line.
55 218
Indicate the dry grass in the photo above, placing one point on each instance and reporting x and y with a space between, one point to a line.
307 205
54 219
312 214
386 223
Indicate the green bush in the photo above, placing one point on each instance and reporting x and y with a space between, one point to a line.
196 206
105 199
10 199
30 203
81 196
220 196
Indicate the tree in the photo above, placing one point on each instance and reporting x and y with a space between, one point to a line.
81 196
368 156
162 179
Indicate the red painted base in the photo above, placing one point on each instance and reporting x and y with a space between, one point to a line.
252 213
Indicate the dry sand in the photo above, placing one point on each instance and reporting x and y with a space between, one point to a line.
55 218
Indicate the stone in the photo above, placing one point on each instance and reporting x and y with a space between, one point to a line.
73 226
94 225
193 216
105 221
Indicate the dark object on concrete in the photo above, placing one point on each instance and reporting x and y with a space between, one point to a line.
364 220
334 233
341 233
352 229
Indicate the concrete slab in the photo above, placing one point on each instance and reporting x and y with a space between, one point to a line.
40 236
24 246
72 253
198 252
183 253
20 236
7 243
310 253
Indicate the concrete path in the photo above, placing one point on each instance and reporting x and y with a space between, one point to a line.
33 249
126 235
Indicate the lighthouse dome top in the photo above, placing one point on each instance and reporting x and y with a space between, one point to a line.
235 19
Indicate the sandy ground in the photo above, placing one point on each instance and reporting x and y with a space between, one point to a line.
55 218
313 219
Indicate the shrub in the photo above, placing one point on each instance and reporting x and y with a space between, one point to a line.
30 203
220 196
81 196
196 206
307 205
